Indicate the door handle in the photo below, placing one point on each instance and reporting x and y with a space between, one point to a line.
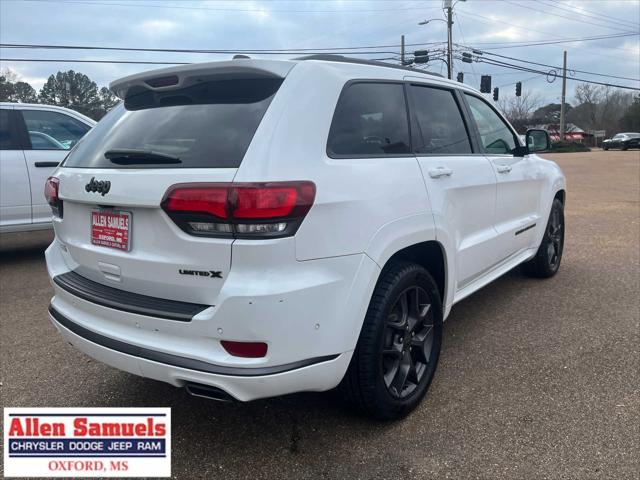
440 172
46 164
503 168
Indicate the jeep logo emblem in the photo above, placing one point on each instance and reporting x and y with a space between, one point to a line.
102 186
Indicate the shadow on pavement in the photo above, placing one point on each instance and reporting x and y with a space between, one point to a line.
17 247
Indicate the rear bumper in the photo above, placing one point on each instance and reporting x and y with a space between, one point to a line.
309 313
244 384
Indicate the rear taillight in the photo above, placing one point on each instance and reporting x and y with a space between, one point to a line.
239 210
51 189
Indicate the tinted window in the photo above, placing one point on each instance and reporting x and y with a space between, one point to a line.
210 124
370 119
53 130
440 128
495 135
7 140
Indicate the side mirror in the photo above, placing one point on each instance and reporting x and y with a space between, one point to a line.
537 140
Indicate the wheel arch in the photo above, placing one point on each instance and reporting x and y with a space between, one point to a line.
429 254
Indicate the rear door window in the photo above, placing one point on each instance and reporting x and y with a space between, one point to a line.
206 125
370 120
52 130
439 128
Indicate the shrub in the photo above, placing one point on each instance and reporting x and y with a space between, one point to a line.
568 147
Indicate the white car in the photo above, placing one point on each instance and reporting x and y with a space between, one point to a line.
252 228
34 139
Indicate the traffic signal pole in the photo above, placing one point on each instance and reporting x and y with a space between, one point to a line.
564 93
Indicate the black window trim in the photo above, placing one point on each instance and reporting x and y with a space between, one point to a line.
345 87
14 131
465 112
476 148
483 150
24 132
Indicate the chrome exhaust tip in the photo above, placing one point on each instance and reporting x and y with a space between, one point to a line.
209 392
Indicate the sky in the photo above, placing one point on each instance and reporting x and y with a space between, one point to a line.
495 26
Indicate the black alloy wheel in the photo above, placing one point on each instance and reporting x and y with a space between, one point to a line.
408 342
546 262
399 345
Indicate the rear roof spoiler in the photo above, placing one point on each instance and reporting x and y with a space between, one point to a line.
182 76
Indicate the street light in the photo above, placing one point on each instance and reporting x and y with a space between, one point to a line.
449 22
448 5
432 20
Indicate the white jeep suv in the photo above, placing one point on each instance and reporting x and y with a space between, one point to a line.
252 228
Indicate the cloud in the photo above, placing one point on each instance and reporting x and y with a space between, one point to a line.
318 25
157 27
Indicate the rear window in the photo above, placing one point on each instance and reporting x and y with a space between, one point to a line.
207 125
370 120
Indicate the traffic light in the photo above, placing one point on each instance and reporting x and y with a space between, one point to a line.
460 77
518 89
466 57
421 56
485 84
496 91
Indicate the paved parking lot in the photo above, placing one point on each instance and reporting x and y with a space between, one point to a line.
538 379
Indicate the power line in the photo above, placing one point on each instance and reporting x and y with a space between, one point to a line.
585 13
521 81
560 40
276 51
565 16
635 24
554 66
556 42
133 62
225 9
475 75
68 60
499 63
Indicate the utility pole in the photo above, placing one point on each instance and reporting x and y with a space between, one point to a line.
449 6
402 50
564 93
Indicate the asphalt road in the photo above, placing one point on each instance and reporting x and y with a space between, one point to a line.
537 379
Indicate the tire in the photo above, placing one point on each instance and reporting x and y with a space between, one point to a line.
625 147
605 148
385 347
546 262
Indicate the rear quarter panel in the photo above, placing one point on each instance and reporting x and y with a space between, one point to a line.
362 204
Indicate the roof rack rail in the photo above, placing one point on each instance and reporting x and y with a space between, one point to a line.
341 58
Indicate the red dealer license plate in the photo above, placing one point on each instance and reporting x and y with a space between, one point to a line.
111 229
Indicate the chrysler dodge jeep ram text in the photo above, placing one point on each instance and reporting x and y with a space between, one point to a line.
252 228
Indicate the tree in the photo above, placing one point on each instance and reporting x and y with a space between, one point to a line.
14 90
72 90
518 110
550 113
107 100
600 107
24 93
630 121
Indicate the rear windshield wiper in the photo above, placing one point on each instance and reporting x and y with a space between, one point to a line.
132 156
